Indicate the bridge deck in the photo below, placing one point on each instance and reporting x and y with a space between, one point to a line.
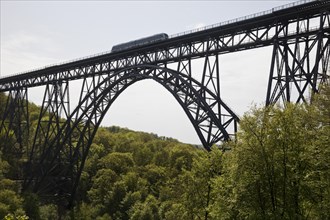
240 34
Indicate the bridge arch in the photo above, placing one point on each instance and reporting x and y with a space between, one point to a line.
198 102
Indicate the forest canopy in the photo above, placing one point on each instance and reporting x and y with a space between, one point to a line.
277 168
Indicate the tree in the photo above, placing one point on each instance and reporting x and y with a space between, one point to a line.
181 158
148 210
48 212
271 165
120 163
318 176
198 184
10 201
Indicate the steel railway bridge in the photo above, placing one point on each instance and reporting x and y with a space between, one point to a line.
299 34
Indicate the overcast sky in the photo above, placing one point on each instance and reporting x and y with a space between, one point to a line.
39 33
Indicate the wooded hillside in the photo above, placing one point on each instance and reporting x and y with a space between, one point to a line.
278 168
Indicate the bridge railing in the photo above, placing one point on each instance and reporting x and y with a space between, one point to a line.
243 18
178 34
57 64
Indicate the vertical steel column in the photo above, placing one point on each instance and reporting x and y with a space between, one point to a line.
211 80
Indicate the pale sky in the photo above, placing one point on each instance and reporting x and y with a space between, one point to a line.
39 33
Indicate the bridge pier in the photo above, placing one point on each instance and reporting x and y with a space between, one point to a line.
299 64
15 123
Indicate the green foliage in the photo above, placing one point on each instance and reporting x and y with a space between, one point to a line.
318 176
10 201
148 210
118 162
16 217
48 212
3 100
32 205
278 168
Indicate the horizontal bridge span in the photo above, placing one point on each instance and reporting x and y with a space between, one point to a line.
286 25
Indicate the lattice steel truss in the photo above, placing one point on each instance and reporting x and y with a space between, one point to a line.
299 66
187 66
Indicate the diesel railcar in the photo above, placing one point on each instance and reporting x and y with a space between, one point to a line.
139 42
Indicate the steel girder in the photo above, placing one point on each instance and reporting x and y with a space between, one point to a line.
299 66
207 112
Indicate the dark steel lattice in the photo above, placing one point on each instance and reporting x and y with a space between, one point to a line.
187 66
299 65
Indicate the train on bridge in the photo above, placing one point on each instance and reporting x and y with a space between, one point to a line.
163 36
139 42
